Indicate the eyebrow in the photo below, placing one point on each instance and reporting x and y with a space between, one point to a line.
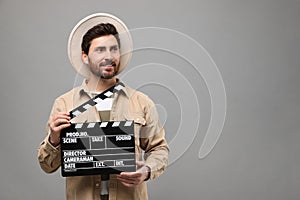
104 47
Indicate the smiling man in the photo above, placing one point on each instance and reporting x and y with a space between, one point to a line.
103 53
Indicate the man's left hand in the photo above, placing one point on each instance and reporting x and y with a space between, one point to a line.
132 179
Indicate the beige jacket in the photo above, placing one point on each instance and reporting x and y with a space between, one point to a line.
150 139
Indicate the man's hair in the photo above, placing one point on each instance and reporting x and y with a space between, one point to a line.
99 30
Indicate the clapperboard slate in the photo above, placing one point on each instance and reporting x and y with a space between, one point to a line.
97 147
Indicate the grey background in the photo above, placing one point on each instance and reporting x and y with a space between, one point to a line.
256 46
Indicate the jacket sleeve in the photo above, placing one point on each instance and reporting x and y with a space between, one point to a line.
49 156
153 142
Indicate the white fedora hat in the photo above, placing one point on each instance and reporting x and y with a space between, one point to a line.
75 39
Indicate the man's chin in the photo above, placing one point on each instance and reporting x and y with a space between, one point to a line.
107 76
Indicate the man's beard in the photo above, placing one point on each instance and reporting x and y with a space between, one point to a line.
97 71
108 76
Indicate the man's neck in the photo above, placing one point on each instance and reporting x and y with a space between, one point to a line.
100 84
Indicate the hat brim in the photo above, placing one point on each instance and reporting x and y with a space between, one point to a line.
75 39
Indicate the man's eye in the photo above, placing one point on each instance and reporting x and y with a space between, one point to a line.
114 48
100 50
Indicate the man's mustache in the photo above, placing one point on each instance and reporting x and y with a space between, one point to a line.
109 62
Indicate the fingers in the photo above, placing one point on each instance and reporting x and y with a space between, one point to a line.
57 123
130 175
132 179
60 116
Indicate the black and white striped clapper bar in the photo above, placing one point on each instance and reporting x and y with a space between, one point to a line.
97 147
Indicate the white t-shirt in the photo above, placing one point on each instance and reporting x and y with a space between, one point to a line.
104 108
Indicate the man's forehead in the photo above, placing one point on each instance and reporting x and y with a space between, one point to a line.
105 40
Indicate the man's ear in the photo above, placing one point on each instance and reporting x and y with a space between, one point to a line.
84 58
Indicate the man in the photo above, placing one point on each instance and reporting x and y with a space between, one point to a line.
103 52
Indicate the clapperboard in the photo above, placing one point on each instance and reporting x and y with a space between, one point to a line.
97 147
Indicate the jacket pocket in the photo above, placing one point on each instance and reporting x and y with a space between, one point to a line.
139 122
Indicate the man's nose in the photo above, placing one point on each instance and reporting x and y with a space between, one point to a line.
108 55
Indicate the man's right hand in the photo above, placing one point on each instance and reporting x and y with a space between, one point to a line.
57 123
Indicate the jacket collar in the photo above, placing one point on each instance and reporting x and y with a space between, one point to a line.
83 89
